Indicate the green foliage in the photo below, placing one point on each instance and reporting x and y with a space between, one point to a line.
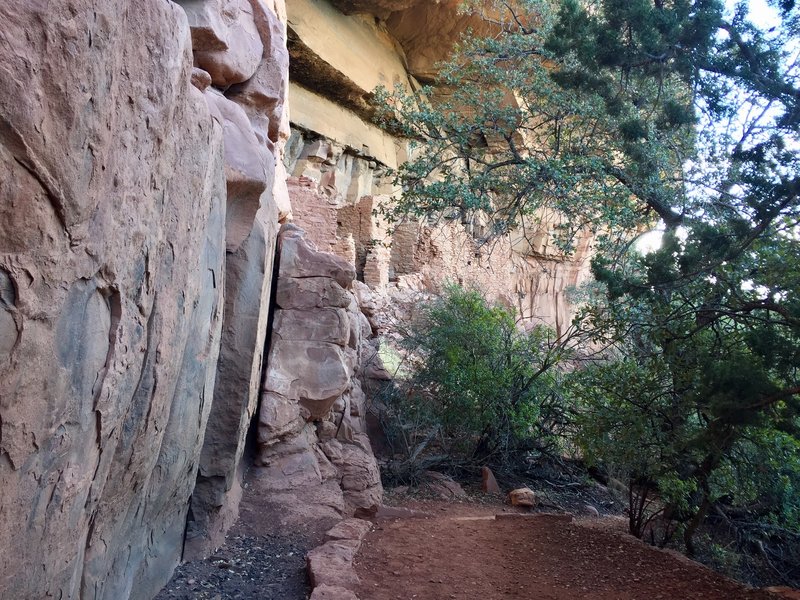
481 389
692 393
613 116
517 128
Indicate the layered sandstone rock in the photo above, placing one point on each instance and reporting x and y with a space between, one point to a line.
112 228
311 427
249 51
144 152
337 196
138 205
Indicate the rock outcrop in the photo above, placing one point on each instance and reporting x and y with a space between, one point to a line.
138 215
330 566
312 436
337 165
112 228
336 195
242 45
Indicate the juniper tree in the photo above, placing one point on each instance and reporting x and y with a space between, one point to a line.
606 118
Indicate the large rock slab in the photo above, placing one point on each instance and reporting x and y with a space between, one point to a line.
329 592
311 292
226 41
313 373
249 168
322 325
112 221
279 418
332 564
311 394
254 200
349 529
248 279
300 259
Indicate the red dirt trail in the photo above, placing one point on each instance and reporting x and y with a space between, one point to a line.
526 557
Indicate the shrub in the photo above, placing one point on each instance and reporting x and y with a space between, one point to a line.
480 389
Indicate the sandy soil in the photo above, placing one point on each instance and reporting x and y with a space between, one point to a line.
466 554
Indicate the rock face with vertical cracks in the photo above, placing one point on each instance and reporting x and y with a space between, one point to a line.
312 444
112 241
247 293
254 127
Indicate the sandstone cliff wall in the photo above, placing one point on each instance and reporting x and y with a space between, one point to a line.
112 250
138 215
337 160
147 164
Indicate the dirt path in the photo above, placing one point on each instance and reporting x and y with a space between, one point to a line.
263 558
472 556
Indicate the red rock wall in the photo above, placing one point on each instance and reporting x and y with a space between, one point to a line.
313 448
530 277
112 227
240 47
139 206
314 212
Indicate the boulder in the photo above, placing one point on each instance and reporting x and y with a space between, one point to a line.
349 529
330 325
279 417
300 259
314 374
332 564
225 39
310 292
443 486
523 497
488 482
200 79
329 592
264 95
360 475
249 169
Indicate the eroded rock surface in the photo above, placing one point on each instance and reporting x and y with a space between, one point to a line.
311 426
337 159
112 226
254 131
138 204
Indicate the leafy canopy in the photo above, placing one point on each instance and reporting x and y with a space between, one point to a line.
604 118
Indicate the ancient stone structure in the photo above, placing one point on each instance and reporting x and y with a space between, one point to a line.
337 163
147 164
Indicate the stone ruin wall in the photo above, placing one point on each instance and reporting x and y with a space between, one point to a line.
337 166
149 173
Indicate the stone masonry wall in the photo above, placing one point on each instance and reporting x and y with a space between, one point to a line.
529 276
